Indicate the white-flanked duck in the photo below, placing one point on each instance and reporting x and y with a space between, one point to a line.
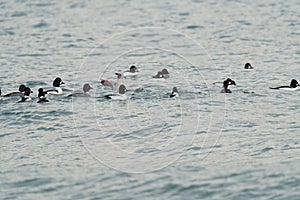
133 71
294 85
56 87
120 96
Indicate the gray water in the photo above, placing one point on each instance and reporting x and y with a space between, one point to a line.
202 145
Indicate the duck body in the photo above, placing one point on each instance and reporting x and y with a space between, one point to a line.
248 66
163 74
26 97
116 97
294 86
86 88
115 85
41 96
226 84
158 75
174 93
20 93
133 71
120 96
56 90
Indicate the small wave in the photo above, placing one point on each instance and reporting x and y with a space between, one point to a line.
32 55
41 25
184 14
194 27
5 134
35 182
19 14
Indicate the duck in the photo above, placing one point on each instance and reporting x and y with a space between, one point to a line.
41 96
19 93
294 85
158 75
248 66
56 87
120 96
26 97
133 71
107 83
226 83
162 74
112 84
86 88
165 73
174 93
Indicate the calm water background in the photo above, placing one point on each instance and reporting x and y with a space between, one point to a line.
203 145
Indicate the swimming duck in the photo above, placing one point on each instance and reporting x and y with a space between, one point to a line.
86 88
41 96
19 93
248 66
294 85
120 96
26 97
162 74
174 92
165 73
226 83
56 90
112 84
158 75
133 71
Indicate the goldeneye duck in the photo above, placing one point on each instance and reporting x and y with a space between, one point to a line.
226 83
106 83
158 75
133 71
56 84
162 74
120 96
112 84
86 88
294 85
174 92
41 96
248 66
19 93
26 96
165 73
